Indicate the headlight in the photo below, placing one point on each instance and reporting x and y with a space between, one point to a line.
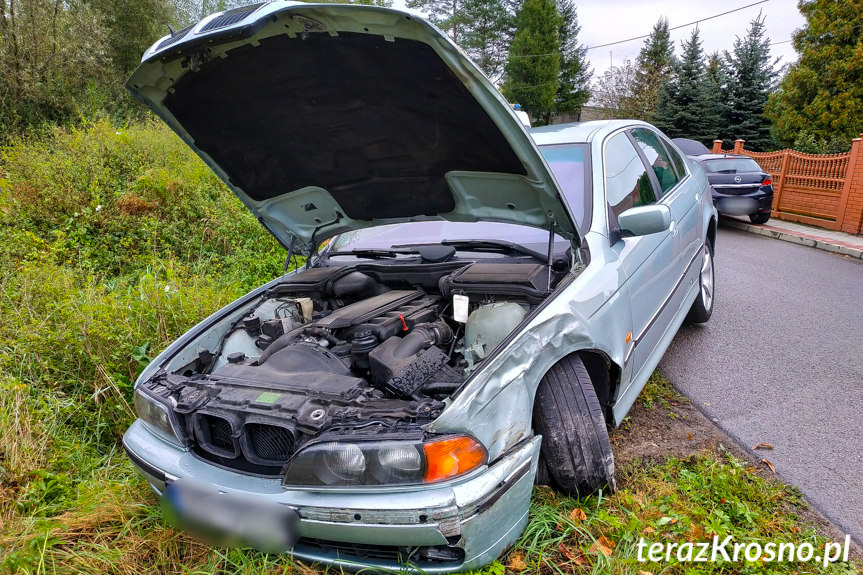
343 463
156 416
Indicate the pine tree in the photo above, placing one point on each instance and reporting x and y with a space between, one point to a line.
821 97
486 28
573 88
533 66
442 13
686 107
752 76
653 69
716 87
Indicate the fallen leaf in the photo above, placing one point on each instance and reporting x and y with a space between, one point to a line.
645 573
577 514
722 500
600 546
566 551
795 529
763 446
768 464
516 562
648 529
691 437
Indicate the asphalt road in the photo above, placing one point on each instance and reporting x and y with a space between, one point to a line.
781 362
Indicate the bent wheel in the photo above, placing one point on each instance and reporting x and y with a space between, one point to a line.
575 447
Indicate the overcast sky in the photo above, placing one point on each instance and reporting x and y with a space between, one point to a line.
606 21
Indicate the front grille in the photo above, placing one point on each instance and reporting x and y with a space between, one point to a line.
230 17
418 556
268 444
215 435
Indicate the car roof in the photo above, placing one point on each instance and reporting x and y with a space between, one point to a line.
704 157
594 130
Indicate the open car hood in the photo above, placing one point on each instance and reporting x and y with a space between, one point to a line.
324 118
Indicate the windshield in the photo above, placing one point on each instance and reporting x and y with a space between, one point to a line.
731 166
419 233
567 163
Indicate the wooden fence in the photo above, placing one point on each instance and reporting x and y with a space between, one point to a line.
820 190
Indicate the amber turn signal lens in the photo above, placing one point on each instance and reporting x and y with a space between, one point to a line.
452 456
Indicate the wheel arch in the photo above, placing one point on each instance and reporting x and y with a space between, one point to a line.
604 375
711 234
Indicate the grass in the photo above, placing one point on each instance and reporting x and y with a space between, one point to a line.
114 241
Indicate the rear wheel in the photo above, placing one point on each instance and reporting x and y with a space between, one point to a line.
575 447
759 218
702 307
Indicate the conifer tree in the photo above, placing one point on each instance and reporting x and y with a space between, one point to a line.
820 100
533 66
752 76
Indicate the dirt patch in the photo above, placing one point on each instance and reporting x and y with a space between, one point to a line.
663 423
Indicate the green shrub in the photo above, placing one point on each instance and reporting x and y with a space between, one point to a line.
111 200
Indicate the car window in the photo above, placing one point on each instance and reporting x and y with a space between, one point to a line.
626 181
731 166
676 158
567 163
657 157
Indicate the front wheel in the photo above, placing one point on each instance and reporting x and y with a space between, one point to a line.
702 307
759 218
575 449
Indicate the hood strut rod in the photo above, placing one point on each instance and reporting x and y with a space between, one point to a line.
551 225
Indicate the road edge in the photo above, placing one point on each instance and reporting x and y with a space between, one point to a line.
795 238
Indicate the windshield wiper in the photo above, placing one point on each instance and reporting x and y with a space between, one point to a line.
489 246
372 254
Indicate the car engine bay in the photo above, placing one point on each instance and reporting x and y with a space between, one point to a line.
355 350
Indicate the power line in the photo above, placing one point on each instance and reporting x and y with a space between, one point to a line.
646 35
681 26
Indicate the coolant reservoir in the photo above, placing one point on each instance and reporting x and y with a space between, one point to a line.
487 326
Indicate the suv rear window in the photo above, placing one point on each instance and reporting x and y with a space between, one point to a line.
731 166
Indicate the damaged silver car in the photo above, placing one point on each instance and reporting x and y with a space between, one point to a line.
479 304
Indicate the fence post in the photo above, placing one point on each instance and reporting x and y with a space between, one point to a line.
780 185
849 217
738 146
717 147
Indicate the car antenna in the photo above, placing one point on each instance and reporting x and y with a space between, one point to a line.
551 224
314 245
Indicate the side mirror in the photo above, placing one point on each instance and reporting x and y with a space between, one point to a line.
645 220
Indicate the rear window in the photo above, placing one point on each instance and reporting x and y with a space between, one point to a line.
731 166
568 164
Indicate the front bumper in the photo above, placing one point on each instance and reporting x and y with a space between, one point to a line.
455 526
743 205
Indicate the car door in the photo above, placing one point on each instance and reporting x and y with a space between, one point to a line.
647 261
676 192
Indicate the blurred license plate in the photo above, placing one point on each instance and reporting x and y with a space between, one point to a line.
231 519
